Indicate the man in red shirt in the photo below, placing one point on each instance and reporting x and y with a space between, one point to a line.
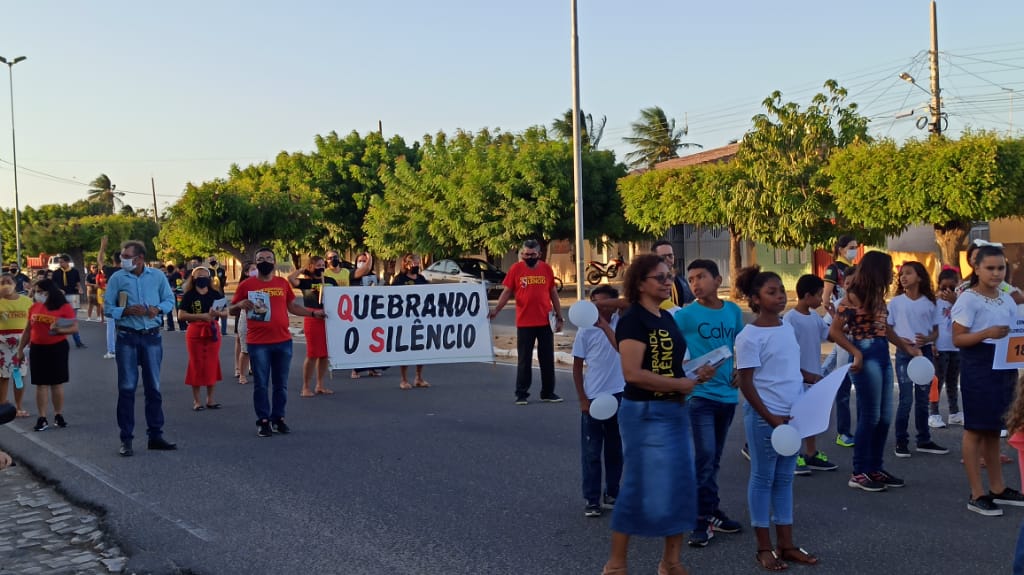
267 299
533 283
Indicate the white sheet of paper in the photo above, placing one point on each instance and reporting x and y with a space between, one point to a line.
811 412
714 358
220 305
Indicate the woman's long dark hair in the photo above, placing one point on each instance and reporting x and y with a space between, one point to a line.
874 276
54 296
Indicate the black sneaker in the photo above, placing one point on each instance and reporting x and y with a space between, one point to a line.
1007 497
819 462
592 510
932 447
701 536
263 428
41 425
551 399
126 449
522 401
608 502
863 481
161 444
902 449
719 521
984 506
58 420
885 478
745 451
279 426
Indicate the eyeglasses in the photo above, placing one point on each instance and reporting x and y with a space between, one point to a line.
662 278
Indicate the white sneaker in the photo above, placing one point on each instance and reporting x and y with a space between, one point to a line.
956 418
1003 433
936 421
108 355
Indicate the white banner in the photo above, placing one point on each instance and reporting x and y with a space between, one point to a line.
407 325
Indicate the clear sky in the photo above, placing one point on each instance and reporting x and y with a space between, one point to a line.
180 90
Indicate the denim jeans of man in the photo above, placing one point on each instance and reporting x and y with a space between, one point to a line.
600 437
911 396
134 353
270 363
770 489
545 341
874 404
1018 554
947 370
710 420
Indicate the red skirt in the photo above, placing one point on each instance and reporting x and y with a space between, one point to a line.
203 355
316 336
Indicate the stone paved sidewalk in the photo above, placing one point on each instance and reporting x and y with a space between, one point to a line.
41 532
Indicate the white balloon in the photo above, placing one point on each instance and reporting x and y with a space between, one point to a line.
786 440
603 406
921 370
583 314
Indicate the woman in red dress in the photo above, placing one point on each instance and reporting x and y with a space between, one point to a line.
202 339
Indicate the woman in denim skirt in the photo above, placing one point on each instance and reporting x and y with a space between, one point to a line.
658 495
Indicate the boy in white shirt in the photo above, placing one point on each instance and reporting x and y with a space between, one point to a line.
811 331
596 346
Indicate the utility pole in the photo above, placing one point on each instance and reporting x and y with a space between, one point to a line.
936 112
577 154
156 217
380 128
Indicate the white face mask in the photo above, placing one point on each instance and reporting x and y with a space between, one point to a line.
361 265
851 254
253 273
128 264
40 297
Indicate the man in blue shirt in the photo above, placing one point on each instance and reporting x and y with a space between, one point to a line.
137 300
707 324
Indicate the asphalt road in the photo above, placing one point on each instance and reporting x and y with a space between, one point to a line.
450 480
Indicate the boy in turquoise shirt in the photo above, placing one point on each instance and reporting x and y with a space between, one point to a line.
707 324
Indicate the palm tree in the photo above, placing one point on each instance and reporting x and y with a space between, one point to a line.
103 191
655 138
590 133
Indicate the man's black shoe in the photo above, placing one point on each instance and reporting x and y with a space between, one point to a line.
280 426
126 449
161 444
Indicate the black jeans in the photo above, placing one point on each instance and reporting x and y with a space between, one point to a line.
545 340
947 369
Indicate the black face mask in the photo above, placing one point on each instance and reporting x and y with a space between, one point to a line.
317 272
414 270
531 262
335 262
202 282
265 268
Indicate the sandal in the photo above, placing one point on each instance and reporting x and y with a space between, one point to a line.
242 380
421 383
324 391
355 374
797 555
212 406
671 569
22 413
775 565
198 408
375 373
307 393
614 571
404 385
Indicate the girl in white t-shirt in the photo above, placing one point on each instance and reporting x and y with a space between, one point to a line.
983 314
768 365
912 315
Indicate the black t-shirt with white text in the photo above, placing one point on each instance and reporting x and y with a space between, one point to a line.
194 302
404 280
311 289
665 347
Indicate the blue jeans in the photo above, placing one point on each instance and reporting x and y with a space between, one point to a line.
270 363
597 436
710 420
134 352
874 404
1018 554
111 336
770 490
911 394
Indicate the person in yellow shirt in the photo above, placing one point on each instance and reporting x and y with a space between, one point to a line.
13 318
681 292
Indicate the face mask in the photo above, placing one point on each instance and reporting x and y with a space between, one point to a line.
414 270
265 268
202 282
6 290
360 265
851 254
530 261
335 262
317 272
14 271
40 297
253 273
128 264
213 263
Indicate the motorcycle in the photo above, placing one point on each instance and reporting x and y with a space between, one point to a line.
597 270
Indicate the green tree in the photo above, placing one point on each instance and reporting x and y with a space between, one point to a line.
79 235
946 183
784 198
102 191
655 138
590 132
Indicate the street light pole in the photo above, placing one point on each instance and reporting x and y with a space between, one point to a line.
14 157
577 154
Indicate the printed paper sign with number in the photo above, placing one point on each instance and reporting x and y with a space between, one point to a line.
1010 349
